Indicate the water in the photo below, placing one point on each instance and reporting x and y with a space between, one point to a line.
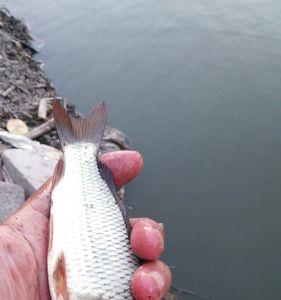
196 85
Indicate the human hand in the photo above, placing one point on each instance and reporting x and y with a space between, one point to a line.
24 238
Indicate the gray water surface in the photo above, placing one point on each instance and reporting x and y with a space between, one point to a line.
196 84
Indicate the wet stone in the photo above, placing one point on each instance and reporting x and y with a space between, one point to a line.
27 169
11 198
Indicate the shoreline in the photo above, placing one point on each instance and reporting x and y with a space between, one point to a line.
26 93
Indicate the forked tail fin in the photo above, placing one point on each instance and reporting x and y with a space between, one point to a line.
89 129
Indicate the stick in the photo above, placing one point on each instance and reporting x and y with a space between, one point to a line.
43 109
21 88
52 98
41 129
8 91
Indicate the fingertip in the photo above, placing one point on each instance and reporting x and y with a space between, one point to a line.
144 286
133 221
151 281
161 228
147 222
125 165
147 239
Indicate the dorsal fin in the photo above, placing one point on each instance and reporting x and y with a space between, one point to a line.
89 129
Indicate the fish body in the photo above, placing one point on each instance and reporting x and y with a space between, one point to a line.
89 255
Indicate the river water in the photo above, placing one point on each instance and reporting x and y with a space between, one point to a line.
197 86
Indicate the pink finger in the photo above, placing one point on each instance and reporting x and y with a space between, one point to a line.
151 281
147 238
125 165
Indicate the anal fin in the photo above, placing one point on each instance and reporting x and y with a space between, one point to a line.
59 277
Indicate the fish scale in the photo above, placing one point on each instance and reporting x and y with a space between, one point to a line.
90 231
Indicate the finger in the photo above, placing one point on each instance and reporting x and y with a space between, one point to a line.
147 238
125 165
151 281
160 226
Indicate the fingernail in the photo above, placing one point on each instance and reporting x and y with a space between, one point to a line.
140 159
161 225
159 279
145 287
147 242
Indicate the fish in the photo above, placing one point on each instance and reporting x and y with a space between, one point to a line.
89 252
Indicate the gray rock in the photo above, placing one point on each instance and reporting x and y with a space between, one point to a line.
28 169
116 137
11 198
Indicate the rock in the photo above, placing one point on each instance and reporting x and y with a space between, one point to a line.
117 137
25 143
108 147
28 169
11 198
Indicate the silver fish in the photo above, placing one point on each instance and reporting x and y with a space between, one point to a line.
89 255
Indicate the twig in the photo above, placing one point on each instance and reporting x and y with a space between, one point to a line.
8 110
29 47
8 91
40 86
43 109
21 88
41 129
19 43
52 98
26 114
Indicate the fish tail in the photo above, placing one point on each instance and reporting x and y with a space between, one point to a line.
72 130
